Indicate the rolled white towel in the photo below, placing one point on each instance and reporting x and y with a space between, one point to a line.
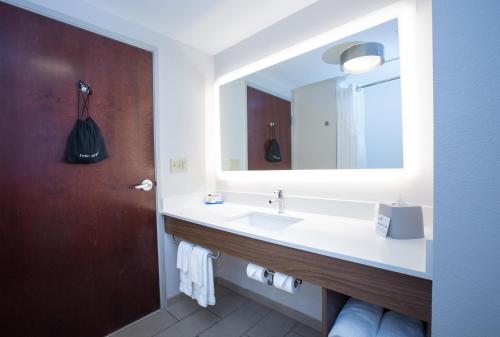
394 324
357 319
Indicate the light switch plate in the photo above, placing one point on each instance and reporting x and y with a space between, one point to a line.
178 165
234 164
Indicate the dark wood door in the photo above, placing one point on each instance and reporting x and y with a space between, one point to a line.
78 247
262 109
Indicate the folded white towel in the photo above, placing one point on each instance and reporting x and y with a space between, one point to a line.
184 253
202 276
394 324
357 319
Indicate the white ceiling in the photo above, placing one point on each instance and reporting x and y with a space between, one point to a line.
209 25
310 68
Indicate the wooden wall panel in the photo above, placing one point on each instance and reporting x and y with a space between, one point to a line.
263 108
332 304
77 246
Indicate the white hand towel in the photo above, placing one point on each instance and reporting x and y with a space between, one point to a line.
184 255
202 276
210 283
198 263
357 319
183 264
394 324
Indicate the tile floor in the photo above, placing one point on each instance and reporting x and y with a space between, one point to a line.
232 316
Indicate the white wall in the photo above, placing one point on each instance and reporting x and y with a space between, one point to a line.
233 120
314 20
383 118
314 144
467 183
306 301
183 87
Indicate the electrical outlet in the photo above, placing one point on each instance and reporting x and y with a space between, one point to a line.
178 165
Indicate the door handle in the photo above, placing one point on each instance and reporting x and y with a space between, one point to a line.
145 185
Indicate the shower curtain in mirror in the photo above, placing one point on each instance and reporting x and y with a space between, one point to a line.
351 143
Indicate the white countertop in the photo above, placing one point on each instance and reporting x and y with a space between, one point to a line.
344 238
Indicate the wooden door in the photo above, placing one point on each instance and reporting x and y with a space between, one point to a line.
262 109
77 246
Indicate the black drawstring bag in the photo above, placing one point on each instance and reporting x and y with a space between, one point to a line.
85 143
273 151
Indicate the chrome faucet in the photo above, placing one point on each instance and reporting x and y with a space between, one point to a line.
281 202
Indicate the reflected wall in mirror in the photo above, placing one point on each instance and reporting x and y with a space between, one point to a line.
335 107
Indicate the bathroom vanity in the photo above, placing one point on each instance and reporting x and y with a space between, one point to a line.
342 255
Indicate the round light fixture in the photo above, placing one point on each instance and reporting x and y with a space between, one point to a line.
332 54
362 57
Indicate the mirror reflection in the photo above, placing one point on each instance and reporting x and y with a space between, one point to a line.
335 107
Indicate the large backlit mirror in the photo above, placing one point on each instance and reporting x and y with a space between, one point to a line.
335 107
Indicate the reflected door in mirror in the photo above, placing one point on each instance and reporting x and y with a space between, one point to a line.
262 110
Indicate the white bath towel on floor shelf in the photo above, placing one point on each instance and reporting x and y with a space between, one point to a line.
202 276
394 324
357 319
184 253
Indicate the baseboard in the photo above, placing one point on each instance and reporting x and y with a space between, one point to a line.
286 310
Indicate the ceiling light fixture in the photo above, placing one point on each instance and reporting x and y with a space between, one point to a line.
362 57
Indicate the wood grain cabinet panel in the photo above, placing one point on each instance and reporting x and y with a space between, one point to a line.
78 247
262 109
403 293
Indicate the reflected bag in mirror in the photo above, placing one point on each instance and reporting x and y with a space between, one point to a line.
273 152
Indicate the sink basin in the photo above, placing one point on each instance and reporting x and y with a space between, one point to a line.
265 220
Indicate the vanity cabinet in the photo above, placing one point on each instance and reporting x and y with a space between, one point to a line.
339 279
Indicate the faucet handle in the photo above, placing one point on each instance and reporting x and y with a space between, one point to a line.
278 194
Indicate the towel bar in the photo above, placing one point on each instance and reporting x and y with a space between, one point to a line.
211 255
